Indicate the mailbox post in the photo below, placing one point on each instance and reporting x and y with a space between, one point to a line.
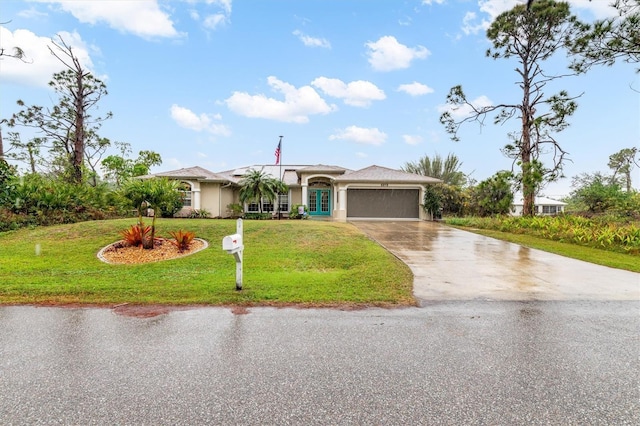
234 244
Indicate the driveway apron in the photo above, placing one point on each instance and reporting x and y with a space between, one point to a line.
451 264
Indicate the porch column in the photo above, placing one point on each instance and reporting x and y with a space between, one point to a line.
195 194
342 205
304 194
422 215
342 198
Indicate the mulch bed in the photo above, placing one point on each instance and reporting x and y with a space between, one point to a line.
121 253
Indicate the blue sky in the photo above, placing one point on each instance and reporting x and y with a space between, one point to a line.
346 82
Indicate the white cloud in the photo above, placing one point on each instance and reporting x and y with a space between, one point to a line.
470 26
412 139
203 122
143 18
357 93
371 136
224 4
39 64
429 2
312 41
214 21
465 110
31 13
360 154
415 89
599 8
387 54
493 8
296 107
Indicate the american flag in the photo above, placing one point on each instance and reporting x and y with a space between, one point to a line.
277 153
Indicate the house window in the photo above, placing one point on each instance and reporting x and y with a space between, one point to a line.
267 205
283 200
187 194
549 209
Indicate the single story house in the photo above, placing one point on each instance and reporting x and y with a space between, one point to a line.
335 192
541 206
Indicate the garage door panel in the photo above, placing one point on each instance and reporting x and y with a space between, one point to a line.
383 203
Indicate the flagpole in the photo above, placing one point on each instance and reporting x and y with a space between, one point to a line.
280 145
281 177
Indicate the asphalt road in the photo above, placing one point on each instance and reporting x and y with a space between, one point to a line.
465 362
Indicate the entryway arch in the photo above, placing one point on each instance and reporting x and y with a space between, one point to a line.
319 196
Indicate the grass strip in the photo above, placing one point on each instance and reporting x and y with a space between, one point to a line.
285 262
588 254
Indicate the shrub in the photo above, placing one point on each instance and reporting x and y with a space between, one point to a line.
294 213
170 207
199 214
182 239
257 216
137 235
235 210
604 233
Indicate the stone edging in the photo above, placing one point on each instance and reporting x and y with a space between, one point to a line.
101 257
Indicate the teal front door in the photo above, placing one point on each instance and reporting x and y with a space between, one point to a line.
320 202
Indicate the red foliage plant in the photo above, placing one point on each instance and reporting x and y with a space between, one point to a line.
137 235
182 239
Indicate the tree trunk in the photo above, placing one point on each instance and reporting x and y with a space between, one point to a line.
528 193
78 143
1 147
32 159
628 173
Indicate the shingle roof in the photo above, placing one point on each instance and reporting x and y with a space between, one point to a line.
290 177
192 173
384 174
291 172
320 168
288 172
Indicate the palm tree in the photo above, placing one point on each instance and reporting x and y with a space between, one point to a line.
447 170
256 185
151 193
136 190
161 192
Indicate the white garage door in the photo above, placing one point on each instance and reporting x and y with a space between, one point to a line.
383 203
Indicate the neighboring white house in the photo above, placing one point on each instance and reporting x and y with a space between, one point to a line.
542 206
374 192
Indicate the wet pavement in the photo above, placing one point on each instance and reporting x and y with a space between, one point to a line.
498 363
568 358
451 264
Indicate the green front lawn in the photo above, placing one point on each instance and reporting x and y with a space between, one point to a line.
285 262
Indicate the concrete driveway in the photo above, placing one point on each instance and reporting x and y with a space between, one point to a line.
450 264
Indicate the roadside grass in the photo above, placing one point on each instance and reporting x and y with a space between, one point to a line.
285 262
588 254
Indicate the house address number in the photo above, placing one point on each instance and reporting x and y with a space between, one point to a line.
384 184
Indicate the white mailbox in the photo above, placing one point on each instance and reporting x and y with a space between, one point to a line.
232 242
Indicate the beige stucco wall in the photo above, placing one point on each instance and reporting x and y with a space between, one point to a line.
227 196
210 198
295 196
